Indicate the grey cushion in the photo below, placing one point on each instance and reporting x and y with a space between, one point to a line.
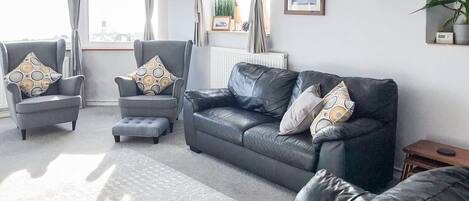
302 112
141 126
228 123
46 103
142 101
294 150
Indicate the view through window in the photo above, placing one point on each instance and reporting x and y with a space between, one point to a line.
116 20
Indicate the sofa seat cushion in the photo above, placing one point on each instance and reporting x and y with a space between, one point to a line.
47 103
295 150
142 101
228 123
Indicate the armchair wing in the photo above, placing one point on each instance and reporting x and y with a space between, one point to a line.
71 86
127 86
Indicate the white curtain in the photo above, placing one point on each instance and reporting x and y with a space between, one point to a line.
148 33
257 34
76 68
200 34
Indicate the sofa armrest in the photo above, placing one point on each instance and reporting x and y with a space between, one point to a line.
348 130
324 186
71 86
127 86
204 99
13 94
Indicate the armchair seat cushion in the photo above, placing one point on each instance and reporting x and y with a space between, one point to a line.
47 103
228 123
142 101
295 150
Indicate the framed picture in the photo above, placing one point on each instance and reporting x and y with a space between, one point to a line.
221 23
305 7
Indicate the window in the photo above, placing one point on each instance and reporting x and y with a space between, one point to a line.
39 20
244 8
116 20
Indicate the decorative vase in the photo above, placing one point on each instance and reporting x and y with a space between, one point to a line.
461 34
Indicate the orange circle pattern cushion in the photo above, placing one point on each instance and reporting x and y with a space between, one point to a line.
153 77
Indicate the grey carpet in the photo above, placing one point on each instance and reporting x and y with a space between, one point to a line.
90 153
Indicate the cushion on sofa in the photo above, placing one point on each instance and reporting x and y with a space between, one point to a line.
228 123
302 112
374 98
47 103
294 150
143 101
262 89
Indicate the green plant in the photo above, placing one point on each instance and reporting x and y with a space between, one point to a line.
459 7
224 8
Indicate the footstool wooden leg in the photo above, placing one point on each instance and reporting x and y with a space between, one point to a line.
156 140
117 139
171 125
23 134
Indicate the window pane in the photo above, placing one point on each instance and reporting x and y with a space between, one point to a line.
34 20
116 20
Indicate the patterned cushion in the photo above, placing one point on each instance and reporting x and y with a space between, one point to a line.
338 107
153 77
33 77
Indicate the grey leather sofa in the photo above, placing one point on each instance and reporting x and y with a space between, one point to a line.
444 184
176 56
241 124
60 103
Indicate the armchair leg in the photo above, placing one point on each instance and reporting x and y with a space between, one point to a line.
171 126
23 134
74 125
117 139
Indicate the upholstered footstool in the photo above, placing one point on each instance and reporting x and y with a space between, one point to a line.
152 127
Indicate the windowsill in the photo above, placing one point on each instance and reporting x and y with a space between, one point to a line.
231 32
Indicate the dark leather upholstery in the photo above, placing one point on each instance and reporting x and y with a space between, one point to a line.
228 123
324 186
296 150
240 125
208 98
443 184
262 89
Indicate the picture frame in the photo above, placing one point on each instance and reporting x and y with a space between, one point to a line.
305 7
221 23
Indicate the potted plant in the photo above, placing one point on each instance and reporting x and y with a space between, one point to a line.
459 19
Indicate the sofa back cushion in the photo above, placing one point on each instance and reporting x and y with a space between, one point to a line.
376 99
262 89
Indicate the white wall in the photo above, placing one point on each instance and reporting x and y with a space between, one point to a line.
381 39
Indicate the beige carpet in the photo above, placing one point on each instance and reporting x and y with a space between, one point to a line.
121 174
55 163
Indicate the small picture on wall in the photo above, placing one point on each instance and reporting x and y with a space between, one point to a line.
305 7
221 23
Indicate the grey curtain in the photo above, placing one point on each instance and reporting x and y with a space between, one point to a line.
200 34
257 35
148 33
75 66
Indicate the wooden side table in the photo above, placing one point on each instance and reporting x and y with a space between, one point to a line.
423 155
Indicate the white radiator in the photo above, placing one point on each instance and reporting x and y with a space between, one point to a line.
222 61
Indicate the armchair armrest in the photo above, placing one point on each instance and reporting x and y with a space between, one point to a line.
348 130
204 99
324 186
71 86
127 86
13 94
177 86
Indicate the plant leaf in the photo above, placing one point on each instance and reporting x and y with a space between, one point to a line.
435 3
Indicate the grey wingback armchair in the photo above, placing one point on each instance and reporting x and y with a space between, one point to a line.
176 56
60 103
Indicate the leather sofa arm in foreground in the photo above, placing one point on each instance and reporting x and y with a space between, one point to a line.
209 98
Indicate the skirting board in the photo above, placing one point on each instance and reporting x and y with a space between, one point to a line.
101 102
4 113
